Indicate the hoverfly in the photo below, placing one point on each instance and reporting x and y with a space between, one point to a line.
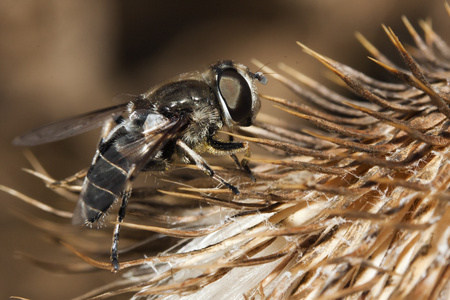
174 120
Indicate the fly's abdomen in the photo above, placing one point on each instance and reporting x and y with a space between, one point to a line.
104 184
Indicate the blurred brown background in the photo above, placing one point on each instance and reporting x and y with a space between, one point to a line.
60 58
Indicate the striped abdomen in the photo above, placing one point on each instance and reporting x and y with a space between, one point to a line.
106 179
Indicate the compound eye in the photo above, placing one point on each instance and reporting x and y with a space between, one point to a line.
237 94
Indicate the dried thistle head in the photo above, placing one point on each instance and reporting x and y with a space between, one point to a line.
354 206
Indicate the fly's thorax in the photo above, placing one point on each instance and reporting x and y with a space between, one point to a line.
203 122
180 97
190 98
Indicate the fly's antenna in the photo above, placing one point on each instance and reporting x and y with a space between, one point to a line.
261 78
260 75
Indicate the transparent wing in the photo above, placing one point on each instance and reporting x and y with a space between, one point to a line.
69 127
142 150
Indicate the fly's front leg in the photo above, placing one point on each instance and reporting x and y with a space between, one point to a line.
244 164
218 147
203 165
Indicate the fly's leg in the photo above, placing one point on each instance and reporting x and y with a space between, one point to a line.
115 241
243 164
65 182
203 165
218 147
121 215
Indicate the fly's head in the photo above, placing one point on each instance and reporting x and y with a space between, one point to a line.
235 89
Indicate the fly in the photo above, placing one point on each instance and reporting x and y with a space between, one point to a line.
174 120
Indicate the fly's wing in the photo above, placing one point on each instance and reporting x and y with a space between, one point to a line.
69 127
158 131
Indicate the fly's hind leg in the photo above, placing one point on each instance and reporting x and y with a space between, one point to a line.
120 216
203 165
115 240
